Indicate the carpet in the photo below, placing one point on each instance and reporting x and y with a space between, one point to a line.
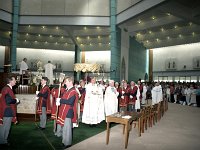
25 136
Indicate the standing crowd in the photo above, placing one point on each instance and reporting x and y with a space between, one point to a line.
90 103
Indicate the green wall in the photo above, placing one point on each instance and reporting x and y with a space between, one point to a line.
137 60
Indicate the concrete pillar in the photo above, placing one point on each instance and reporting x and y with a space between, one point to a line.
15 21
77 59
115 43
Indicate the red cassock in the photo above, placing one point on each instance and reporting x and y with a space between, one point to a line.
124 102
68 107
133 92
82 98
54 93
141 90
7 90
42 100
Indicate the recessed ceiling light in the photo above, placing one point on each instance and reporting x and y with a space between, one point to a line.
138 34
153 17
193 33
168 14
139 21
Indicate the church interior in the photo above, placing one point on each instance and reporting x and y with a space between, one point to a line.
153 41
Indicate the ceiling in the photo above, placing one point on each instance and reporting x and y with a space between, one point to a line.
172 22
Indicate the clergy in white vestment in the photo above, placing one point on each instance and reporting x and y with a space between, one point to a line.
156 93
23 66
144 93
137 102
49 71
93 111
110 99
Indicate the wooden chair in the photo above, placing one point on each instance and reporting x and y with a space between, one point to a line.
158 112
26 75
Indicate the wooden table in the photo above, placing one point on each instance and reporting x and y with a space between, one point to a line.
127 122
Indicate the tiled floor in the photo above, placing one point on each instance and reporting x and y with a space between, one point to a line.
179 129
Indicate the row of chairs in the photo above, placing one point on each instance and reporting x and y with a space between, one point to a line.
150 114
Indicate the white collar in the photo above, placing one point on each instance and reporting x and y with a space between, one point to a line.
69 88
9 86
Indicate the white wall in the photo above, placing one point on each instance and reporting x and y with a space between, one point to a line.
99 57
184 55
65 58
2 55
125 49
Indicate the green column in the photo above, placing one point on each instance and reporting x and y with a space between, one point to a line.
77 59
15 21
115 43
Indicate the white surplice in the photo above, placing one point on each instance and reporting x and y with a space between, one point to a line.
49 71
23 66
137 102
111 101
156 93
93 111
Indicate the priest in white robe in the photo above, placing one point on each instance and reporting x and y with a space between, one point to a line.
23 66
156 93
137 102
110 99
49 71
93 111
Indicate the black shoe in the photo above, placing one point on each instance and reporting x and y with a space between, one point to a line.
5 145
42 128
66 146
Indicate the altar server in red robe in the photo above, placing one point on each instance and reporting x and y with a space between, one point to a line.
124 96
8 110
44 105
133 93
67 111
54 93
